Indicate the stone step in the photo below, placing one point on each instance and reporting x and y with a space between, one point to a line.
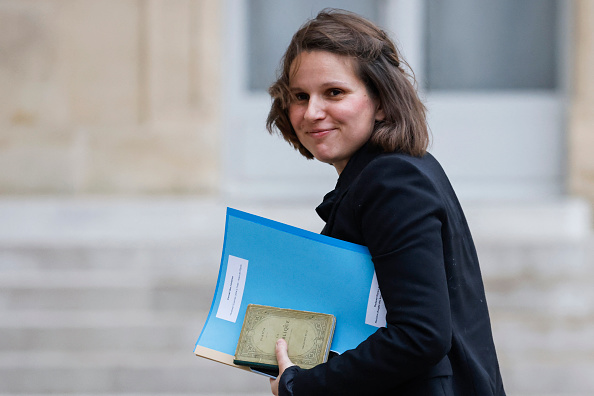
499 257
103 290
102 297
100 331
197 393
567 376
201 254
535 337
544 260
174 373
123 372
106 278
562 299
254 394
88 221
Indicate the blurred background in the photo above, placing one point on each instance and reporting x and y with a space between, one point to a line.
128 126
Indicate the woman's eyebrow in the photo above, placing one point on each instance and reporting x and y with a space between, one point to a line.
327 84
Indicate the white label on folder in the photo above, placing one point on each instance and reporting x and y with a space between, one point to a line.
232 289
376 310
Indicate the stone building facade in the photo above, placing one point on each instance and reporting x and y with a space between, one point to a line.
124 97
109 97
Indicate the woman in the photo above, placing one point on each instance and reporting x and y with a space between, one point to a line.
344 99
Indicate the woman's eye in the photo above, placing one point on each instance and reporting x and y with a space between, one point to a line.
334 92
301 96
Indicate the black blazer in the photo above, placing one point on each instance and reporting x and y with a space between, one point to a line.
438 337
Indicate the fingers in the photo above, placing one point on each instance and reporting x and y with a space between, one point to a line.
274 386
282 356
284 362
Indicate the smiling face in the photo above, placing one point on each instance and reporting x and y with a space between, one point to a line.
331 109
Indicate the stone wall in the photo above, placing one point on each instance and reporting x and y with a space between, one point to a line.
111 96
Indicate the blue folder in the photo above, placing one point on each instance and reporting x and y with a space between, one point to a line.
270 263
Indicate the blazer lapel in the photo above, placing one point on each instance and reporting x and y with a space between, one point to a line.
329 206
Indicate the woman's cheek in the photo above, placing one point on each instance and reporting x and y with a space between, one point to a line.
294 117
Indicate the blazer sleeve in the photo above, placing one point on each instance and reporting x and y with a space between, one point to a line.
400 215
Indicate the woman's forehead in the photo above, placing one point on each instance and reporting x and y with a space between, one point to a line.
319 61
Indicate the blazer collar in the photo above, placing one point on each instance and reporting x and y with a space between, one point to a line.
353 168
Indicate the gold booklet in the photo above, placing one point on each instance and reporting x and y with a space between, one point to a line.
308 336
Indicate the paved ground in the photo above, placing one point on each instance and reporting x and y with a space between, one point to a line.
105 296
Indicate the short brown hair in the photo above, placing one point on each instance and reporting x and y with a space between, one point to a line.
377 64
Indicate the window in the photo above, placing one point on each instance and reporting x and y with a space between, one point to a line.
271 24
492 45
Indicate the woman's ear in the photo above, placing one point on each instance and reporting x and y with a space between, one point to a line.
380 115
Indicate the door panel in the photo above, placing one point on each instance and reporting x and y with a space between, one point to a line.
257 165
496 138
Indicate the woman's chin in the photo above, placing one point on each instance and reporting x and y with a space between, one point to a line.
325 160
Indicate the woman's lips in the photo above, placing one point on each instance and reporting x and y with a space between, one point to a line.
318 133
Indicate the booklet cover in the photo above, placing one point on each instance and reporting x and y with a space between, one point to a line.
269 263
308 336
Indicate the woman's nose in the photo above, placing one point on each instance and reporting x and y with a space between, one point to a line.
315 109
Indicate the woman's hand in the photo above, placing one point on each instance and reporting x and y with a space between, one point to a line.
283 363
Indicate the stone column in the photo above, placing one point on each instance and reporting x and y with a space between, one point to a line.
581 126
